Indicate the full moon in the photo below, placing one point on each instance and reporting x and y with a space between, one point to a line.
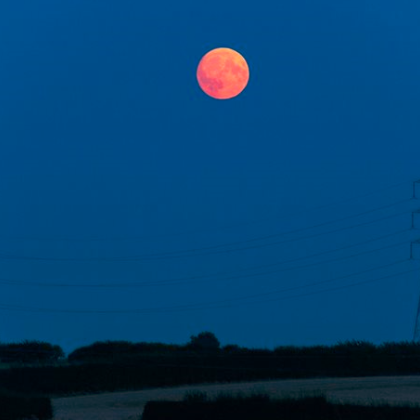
223 73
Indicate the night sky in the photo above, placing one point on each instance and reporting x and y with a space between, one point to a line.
135 207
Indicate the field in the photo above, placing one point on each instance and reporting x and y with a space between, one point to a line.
128 405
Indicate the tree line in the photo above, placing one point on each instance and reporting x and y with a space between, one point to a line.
204 343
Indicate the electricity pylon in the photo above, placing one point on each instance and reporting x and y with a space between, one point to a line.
415 184
416 334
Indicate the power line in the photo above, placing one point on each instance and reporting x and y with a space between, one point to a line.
250 223
331 289
189 280
317 283
276 235
229 302
212 249
193 252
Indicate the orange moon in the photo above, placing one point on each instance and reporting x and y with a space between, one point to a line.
223 73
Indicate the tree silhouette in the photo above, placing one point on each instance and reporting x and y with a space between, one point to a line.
204 341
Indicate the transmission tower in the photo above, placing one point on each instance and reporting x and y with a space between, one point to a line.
416 334
415 185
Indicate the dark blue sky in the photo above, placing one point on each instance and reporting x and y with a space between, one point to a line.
112 161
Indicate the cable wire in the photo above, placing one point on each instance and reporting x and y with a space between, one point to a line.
237 225
212 278
196 252
205 305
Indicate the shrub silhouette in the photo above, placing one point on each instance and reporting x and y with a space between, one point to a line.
231 348
261 406
30 352
355 347
18 407
110 366
101 351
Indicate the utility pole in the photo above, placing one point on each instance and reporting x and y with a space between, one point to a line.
416 334
413 218
415 183
413 227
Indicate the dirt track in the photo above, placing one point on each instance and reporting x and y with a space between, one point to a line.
129 405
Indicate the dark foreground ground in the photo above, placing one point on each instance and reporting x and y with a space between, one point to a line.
128 405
